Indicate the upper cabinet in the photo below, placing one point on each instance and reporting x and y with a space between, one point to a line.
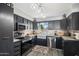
71 22
54 25
75 17
62 24
74 21
22 21
18 19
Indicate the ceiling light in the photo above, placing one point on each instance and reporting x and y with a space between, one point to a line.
42 15
38 8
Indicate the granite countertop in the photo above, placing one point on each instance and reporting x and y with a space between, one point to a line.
68 38
24 39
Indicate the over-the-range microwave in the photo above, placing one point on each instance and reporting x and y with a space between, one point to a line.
20 27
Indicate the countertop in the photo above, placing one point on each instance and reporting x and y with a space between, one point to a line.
68 38
27 38
16 40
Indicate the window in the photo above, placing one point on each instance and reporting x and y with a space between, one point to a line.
43 25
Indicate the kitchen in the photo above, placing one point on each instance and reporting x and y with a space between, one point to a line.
39 29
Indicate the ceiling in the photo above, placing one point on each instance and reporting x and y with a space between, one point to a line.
47 9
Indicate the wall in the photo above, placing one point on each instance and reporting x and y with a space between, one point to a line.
19 12
74 8
49 19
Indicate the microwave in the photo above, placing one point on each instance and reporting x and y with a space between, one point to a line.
20 27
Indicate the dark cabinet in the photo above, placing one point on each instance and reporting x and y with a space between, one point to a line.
42 42
71 22
59 42
26 47
54 25
6 30
39 41
64 23
75 17
74 21
18 23
22 21
18 18
17 48
71 47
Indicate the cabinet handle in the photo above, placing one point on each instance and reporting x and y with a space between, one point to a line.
5 38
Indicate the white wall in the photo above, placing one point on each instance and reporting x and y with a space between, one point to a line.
49 19
74 8
19 12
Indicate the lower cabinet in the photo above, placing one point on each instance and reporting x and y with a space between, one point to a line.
39 41
26 47
17 48
59 42
71 47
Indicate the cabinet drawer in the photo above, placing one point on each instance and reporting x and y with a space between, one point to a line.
18 53
17 48
17 44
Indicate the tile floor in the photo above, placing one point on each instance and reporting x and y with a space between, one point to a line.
45 51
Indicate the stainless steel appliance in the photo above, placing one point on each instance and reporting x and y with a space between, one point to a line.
51 41
20 26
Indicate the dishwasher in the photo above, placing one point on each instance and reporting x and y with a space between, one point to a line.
51 41
55 42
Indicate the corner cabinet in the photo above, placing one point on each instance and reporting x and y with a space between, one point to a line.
74 21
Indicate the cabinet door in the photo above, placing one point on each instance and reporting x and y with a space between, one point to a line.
25 21
70 21
62 24
19 19
69 48
17 48
76 21
59 42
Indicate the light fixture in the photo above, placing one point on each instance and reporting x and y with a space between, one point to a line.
39 8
